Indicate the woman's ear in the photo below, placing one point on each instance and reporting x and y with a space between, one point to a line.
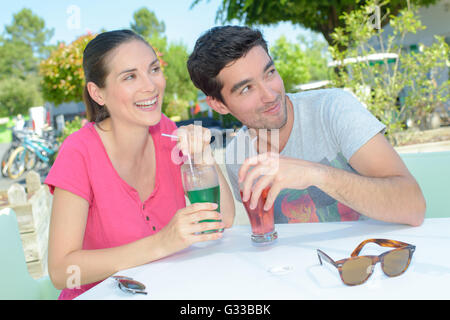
217 105
95 93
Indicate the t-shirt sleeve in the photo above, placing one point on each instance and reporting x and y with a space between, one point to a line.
351 124
70 169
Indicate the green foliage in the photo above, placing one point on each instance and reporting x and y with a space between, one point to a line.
5 132
18 95
180 92
29 29
291 63
318 16
176 107
380 84
299 63
63 76
146 24
69 128
22 44
16 59
317 56
425 95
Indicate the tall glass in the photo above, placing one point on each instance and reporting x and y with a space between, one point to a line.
201 184
261 221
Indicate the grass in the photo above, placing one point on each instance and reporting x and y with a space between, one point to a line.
5 132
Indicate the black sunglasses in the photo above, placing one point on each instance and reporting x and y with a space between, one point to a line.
130 285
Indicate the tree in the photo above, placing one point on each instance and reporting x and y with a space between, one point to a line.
150 28
179 88
381 83
291 63
22 44
18 95
30 29
179 83
319 16
317 56
16 59
299 63
63 75
146 24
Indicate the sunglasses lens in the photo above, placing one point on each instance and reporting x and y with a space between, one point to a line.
132 284
356 271
395 262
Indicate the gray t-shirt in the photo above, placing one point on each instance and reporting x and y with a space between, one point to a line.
330 125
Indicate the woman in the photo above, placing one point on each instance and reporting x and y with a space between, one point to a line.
118 197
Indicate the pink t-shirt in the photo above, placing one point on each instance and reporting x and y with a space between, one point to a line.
116 214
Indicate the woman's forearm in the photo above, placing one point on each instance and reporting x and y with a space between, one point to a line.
88 266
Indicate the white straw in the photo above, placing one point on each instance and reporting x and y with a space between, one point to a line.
169 136
189 157
190 166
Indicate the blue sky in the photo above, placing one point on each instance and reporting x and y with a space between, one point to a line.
182 23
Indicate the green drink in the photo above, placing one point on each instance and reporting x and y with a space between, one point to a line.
206 195
201 184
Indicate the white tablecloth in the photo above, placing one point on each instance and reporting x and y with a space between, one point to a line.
234 268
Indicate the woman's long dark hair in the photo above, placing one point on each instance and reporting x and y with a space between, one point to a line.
95 66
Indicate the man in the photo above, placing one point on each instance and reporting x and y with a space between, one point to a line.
329 159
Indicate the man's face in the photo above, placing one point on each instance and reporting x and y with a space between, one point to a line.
253 91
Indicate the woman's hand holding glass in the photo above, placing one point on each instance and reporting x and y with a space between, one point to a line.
184 228
199 175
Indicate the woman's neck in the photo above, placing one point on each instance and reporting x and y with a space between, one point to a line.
123 141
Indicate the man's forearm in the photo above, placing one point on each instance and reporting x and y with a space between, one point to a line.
395 199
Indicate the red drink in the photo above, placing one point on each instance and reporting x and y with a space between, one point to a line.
262 223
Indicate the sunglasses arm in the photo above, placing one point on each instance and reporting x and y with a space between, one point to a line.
323 255
380 242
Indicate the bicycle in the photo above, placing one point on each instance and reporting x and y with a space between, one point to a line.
17 139
33 150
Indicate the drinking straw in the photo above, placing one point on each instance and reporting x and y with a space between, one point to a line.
188 155
170 136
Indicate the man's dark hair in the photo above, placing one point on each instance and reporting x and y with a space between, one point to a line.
215 49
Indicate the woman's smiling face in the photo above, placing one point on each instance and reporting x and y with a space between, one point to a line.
135 84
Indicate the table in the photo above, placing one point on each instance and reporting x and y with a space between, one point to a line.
234 268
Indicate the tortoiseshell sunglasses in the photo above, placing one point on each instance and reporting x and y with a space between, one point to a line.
357 269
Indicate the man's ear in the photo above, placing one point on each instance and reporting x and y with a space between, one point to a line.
95 93
217 105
